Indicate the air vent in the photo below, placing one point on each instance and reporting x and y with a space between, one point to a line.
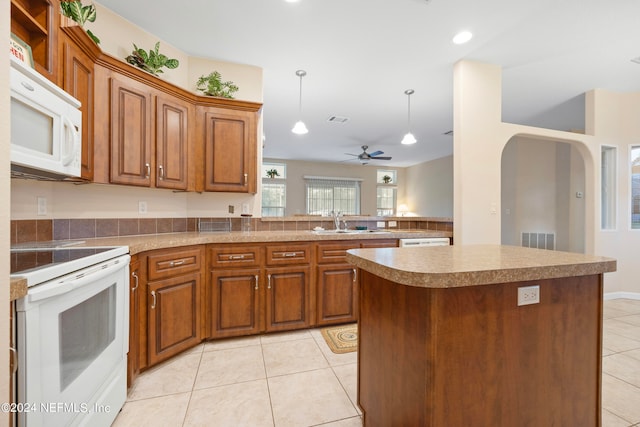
337 119
539 240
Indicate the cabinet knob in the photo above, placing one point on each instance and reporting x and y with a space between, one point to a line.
153 295
268 281
176 263
355 275
148 168
236 256
161 172
246 178
256 288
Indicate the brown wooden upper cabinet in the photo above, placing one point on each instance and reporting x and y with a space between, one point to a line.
149 136
78 75
35 22
230 163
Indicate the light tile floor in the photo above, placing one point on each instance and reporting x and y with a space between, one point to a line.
293 379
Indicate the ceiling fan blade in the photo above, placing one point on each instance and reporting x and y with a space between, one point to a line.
349 154
381 158
375 153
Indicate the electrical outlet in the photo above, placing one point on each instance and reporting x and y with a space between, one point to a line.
380 224
245 208
42 205
528 295
392 224
231 209
142 207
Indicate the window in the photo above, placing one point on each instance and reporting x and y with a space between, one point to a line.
274 189
386 192
635 187
608 192
325 194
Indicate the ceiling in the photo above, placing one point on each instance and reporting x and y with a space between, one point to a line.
361 55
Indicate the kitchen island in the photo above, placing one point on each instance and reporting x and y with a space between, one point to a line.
445 339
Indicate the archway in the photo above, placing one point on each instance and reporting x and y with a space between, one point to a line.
543 194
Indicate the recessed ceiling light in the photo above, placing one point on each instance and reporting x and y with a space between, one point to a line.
462 37
292 1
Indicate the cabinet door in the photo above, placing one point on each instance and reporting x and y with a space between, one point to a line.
133 356
229 162
287 298
234 303
78 76
130 133
336 296
174 316
172 121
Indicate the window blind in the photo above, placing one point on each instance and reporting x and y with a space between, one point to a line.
326 194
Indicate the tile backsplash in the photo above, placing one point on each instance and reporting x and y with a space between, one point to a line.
80 228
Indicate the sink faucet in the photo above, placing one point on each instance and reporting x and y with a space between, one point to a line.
336 218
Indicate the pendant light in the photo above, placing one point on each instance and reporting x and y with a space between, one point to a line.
300 128
408 138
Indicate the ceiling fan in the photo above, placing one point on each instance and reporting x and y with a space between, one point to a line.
364 157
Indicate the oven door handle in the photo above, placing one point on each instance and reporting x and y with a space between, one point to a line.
77 280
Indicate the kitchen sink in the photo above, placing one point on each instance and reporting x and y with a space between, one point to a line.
350 231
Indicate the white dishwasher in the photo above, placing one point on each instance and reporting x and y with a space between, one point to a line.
424 241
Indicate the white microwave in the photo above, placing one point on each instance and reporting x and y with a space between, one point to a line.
46 127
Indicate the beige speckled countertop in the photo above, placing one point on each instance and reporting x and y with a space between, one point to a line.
461 265
142 243
17 288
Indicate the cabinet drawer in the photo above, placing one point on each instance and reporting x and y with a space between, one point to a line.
386 243
235 256
288 254
172 263
335 252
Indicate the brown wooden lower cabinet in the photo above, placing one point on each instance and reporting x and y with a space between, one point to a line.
247 289
336 296
133 356
174 316
233 307
469 356
288 298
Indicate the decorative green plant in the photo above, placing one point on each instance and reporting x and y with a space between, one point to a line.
271 173
74 10
213 85
152 61
386 179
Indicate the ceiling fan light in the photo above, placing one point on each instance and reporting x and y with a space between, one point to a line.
408 139
300 128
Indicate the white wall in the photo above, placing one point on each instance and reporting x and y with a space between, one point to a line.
480 137
4 211
120 44
429 188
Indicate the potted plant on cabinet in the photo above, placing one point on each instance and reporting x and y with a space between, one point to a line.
77 12
151 61
212 85
386 179
272 173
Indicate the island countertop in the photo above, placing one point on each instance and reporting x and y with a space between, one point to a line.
473 265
